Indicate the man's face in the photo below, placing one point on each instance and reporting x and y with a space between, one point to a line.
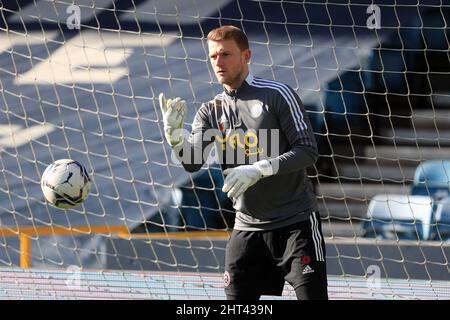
230 64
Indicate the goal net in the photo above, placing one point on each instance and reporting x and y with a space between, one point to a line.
80 79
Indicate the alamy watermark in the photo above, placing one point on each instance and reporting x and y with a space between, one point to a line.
373 281
73 280
73 21
374 20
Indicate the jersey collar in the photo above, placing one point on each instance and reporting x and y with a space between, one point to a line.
232 93
249 78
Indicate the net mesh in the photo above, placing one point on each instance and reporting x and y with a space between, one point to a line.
80 80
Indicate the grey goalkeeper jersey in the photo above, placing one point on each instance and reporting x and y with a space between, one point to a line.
263 119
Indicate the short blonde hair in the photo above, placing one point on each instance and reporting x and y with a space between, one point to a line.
229 32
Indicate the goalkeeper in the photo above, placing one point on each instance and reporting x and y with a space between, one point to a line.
277 234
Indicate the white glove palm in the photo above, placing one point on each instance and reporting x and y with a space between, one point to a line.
240 178
174 112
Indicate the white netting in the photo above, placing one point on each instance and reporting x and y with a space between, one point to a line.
78 79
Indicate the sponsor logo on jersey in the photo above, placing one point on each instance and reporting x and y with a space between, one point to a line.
248 141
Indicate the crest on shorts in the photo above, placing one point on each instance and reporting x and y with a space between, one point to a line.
226 279
306 259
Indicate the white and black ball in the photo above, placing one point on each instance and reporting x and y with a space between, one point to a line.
65 183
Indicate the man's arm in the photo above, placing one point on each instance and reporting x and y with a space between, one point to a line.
303 153
194 151
190 152
296 126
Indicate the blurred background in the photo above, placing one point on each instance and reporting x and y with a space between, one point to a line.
80 80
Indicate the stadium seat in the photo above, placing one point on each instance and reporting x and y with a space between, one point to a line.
393 69
386 71
427 44
202 200
432 178
344 103
403 217
316 116
441 227
435 33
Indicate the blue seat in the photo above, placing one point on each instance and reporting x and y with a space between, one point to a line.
432 178
201 201
403 217
386 71
316 116
426 44
441 227
393 66
344 103
434 32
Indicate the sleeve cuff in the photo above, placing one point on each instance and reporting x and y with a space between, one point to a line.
265 167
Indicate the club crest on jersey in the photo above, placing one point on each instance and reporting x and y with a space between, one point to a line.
256 109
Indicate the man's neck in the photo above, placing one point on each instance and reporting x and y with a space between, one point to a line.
237 85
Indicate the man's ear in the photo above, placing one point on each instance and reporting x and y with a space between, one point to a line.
247 55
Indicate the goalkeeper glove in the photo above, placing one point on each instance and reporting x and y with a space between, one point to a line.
174 112
240 178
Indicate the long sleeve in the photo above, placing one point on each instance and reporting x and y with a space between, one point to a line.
193 151
295 125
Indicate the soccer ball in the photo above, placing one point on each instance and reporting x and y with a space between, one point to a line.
65 183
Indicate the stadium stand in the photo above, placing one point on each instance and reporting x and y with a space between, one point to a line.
432 178
378 100
397 217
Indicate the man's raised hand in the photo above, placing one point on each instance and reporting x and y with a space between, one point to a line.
174 112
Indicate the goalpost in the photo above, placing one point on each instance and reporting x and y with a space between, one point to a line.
80 79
